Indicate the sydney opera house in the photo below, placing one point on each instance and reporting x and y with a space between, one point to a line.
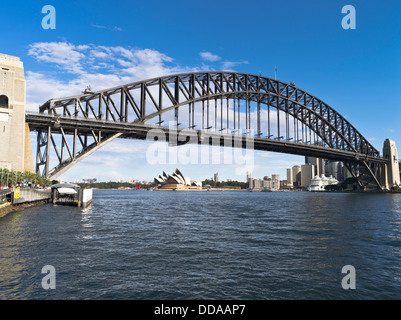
175 182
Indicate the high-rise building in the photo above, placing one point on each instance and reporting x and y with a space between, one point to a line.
318 164
335 169
296 175
346 173
307 174
276 181
249 179
216 177
290 179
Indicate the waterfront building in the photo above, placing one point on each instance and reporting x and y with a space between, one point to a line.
271 183
307 171
267 183
256 183
318 163
175 181
275 181
335 169
249 179
296 176
216 177
290 178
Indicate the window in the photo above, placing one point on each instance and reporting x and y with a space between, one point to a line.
3 101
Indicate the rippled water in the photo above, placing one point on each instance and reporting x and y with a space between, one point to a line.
205 245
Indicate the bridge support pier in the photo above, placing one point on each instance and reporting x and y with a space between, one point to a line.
393 170
15 142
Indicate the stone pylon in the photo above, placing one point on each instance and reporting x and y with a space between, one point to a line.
393 169
15 142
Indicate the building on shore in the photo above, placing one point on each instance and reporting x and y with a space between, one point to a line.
307 173
275 181
318 163
176 182
290 178
296 176
256 183
249 179
216 177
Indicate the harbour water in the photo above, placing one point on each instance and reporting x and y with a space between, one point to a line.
137 244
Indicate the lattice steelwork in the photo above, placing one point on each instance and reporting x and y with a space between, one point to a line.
280 116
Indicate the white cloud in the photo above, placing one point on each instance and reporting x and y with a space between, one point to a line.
115 28
66 55
208 56
229 65
99 67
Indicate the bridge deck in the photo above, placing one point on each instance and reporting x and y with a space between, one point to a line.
38 121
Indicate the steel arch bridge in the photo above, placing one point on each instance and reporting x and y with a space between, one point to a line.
283 117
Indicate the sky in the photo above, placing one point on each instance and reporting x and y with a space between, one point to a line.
103 44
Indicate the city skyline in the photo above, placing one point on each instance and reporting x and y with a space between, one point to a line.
339 66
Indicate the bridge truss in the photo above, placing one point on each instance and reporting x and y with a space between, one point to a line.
279 116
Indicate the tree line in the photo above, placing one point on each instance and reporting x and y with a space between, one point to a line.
10 178
113 185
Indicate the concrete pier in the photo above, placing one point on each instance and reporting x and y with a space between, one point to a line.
70 195
27 195
20 199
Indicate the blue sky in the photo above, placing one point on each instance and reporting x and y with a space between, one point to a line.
357 72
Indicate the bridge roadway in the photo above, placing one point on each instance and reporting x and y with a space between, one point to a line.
135 130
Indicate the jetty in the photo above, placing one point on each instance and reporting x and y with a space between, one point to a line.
70 195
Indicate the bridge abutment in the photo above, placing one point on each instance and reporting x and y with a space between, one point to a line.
15 142
393 171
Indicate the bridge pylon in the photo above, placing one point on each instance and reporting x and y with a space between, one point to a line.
393 170
15 139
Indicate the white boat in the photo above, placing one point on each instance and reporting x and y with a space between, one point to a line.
319 183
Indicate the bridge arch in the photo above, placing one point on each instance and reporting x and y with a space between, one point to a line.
238 94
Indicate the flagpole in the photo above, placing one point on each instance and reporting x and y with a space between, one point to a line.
275 73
